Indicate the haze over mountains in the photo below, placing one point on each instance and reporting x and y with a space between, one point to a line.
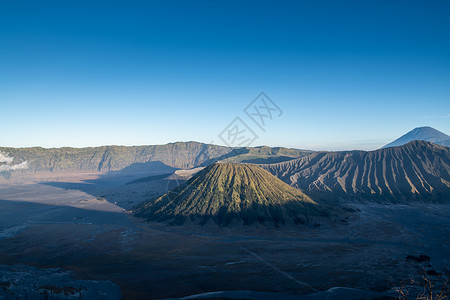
415 171
180 155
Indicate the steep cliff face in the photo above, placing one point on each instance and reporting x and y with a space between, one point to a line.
180 155
112 158
226 192
417 170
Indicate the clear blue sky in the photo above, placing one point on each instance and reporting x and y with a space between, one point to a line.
347 74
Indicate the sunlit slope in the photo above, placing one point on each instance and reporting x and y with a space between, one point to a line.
227 191
415 171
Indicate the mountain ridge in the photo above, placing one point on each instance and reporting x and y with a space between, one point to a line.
179 155
416 171
113 158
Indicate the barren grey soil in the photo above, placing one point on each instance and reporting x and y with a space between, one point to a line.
83 227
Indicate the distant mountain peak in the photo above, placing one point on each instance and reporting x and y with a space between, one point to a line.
425 133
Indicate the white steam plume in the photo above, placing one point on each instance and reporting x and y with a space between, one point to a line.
7 166
4 158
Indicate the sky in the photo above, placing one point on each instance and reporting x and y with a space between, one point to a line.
342 74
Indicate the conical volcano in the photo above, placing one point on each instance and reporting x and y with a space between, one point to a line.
427 134
225 192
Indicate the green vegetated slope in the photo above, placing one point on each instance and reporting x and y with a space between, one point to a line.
415 171
228 191
266 155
